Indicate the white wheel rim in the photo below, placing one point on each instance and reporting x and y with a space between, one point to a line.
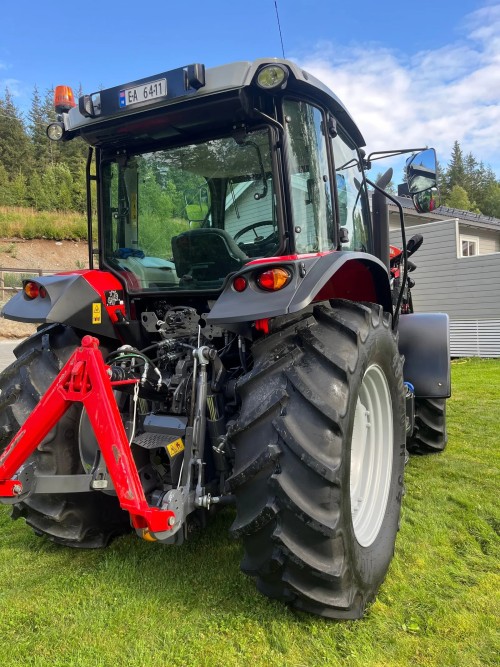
371 456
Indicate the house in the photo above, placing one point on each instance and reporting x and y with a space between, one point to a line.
458 272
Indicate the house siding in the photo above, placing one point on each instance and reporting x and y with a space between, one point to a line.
467 288
248 210
475 338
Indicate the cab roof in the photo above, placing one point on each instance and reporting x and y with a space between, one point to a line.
190 83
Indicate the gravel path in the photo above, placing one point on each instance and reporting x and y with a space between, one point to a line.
6 352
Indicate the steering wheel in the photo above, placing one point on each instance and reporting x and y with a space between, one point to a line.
253 227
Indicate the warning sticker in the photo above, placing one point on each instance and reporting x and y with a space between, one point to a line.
96 313
114 297
175 447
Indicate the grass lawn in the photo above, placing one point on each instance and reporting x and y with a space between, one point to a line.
142 604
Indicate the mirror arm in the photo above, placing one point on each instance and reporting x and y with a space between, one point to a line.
405 251
385 154
258 195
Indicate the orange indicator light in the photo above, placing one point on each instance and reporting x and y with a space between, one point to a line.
274 279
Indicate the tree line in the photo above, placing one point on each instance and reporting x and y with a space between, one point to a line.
469 185
35 171
47 175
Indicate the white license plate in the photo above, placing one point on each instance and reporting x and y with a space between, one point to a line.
146 92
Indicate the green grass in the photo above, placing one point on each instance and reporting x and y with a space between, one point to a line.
27 223
140 604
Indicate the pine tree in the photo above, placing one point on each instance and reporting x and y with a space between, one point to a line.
455 173
49 115
38 122
71 153
15 146
477 181
485 188
5 194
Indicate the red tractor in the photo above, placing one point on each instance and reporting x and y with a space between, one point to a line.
238 343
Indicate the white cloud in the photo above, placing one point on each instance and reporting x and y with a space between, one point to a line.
15 87
432 98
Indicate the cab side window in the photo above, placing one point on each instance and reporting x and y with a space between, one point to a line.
354 212
308 173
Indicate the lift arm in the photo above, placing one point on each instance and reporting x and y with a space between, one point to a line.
84 379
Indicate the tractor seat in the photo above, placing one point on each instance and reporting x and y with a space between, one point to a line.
206 255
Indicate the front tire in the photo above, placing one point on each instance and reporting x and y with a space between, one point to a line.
319 459
85 520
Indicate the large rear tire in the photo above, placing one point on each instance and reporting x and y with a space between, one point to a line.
85 520
319 459
429 435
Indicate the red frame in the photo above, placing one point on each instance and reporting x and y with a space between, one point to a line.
84 378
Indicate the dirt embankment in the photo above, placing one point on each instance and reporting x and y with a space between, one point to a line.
31 256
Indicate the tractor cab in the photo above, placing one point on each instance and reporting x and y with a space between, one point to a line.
201 172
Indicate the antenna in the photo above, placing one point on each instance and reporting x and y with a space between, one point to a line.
279 27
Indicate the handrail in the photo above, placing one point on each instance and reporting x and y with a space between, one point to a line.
39 272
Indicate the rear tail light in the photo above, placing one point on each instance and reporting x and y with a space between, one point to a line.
240 284
274 279
31 289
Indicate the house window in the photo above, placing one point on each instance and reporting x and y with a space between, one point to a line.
469 246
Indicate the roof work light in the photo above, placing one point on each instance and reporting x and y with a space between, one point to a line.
272 76
55 131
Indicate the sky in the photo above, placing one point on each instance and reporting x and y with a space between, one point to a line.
411 74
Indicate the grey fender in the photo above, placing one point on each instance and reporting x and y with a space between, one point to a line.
335 275
71 300
424 341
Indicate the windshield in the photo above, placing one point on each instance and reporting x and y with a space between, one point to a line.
186 217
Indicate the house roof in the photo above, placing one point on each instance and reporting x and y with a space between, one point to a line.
444 212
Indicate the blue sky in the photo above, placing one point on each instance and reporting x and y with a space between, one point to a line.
412 74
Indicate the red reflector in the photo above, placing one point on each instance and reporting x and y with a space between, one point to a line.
240 283
31 289
262 325
274 279
42 292
64 99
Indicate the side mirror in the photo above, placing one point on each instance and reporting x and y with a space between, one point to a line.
421 171
421 178
427 201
